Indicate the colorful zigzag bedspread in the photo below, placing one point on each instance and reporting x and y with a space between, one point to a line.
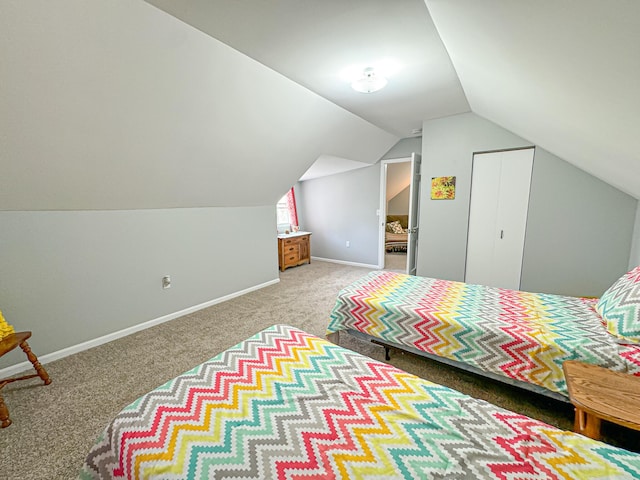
285 404
518 335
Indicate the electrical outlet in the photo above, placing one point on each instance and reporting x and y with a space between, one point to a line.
348 243
166 281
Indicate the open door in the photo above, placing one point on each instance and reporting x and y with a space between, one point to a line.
404 177
414 210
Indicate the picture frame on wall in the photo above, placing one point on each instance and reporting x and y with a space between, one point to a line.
443 188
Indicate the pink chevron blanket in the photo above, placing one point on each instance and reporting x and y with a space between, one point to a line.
284 404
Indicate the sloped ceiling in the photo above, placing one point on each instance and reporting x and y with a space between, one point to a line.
314 42
562 74
109 105
328 165
398 178
117 105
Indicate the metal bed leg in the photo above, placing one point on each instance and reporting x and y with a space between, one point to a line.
334 337
387 349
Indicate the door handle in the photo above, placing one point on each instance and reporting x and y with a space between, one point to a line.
501 234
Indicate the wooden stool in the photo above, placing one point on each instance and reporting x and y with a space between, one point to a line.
598 394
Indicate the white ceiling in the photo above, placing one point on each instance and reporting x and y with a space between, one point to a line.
330 165
313 42
561 73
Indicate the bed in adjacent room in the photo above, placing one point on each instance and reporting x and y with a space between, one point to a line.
518 337
396 233
288 405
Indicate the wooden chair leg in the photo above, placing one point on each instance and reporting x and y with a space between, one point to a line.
42 373
5 421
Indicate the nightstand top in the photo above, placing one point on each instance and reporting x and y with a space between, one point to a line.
609 395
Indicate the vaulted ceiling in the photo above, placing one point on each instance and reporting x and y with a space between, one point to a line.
118 105
187 103
562 74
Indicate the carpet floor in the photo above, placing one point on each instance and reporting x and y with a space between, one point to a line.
395 261
54 426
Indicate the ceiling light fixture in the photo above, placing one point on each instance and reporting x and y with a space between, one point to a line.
369 82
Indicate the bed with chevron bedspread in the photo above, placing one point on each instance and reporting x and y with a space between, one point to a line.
520 337
285 404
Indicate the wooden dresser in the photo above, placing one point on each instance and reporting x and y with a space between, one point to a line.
293 249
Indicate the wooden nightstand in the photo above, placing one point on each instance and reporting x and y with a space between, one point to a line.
293 249
598 393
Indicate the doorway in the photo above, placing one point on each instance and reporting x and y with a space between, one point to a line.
399 206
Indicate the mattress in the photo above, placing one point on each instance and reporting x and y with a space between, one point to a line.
510 334
285 404
395 238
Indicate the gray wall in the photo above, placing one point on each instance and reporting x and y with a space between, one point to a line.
399 205
342 207
569 248
404 148
448 145
579 230
96 126
74 276
634 258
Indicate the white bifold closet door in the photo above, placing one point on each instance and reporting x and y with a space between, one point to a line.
500 185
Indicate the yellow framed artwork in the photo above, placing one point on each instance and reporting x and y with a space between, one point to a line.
443 188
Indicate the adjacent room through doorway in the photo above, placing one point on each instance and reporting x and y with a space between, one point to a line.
395 204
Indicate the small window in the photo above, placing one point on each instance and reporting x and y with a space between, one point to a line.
282 211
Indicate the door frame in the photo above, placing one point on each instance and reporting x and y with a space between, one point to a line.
469 219
382 211
414 213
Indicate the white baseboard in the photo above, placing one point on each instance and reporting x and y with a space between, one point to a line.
343 262
65 352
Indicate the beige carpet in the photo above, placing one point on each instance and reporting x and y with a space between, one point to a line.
395 261
54 426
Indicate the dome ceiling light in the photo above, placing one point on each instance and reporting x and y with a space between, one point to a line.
369 81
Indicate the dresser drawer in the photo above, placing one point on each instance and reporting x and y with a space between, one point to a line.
290 249
291 259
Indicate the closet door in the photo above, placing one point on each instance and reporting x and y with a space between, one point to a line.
483 218
500 185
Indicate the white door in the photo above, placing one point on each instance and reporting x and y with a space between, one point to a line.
500 185
414 210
